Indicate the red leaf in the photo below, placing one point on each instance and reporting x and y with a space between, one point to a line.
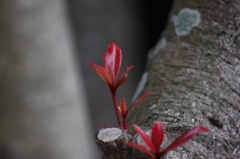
144 137
123 106
123 78
137 101
112 60
142 148
185 138
157 135
102 72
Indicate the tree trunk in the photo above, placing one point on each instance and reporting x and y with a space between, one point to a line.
42 111
193 75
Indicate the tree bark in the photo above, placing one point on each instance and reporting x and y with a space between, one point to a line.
42 110
193 75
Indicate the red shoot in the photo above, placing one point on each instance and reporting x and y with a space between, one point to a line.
124 111
157 138
122 105
112 61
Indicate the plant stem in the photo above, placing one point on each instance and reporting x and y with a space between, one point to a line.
125 126
116 108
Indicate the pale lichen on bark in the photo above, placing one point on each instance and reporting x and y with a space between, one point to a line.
194 80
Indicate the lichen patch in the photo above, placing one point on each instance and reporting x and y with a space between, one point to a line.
186 20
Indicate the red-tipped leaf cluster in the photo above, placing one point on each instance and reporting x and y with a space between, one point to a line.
157 137
112 61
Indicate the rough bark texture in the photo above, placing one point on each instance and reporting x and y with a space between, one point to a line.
42 112
194 79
